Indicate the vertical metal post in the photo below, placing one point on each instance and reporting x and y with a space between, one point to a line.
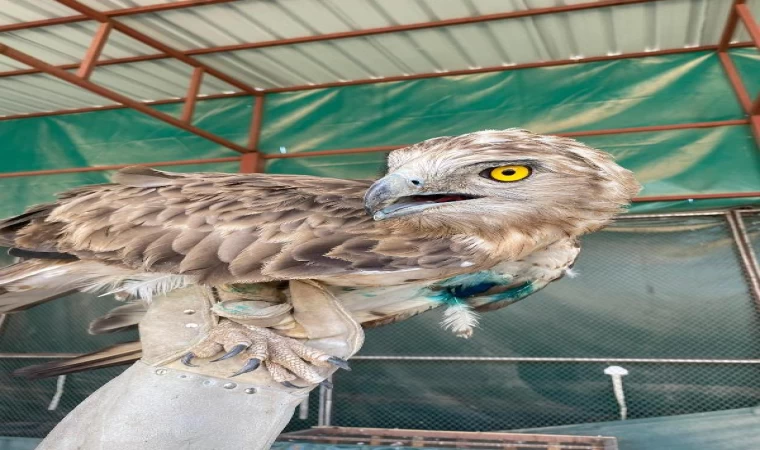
303 409
324 419
746 255
253 162
257 116
192 95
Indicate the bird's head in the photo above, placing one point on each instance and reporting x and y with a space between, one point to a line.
499 179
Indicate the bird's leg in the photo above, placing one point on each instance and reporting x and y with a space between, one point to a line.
286 359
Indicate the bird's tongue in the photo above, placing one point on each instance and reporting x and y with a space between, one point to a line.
437 198
448 198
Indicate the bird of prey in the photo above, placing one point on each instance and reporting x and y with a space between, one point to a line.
472 222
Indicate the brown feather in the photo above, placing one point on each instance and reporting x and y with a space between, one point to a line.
115 355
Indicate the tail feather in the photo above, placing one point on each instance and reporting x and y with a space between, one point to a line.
11 302
30 283
120 318
115 355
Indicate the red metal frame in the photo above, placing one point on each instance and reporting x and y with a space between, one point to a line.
93 53
359 33
252 160
147 40
115 96
561 62
740 11
168 101
192 95
179 4
755 108
81 78
554 63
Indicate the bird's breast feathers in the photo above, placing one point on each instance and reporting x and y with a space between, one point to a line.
383 298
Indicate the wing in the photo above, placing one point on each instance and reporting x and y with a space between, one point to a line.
225 228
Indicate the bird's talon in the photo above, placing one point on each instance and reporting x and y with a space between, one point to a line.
284 358
250 365
236 350
339 362
187 358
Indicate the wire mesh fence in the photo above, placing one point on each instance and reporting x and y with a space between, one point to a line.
667 288
660 288
751 222
489 396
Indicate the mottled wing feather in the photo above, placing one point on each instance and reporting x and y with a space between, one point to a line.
226 227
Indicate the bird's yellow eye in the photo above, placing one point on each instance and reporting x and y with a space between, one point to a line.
509 173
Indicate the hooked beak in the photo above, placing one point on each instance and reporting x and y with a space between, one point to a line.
383 192
395 196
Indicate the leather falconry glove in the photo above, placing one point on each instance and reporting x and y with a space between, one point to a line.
161 402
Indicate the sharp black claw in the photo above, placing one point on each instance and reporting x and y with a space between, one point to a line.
326 383
236 350
250 365
342 363
187 358
288 384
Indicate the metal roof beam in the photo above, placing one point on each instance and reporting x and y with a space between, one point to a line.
562 62
147 40
745 15
361 33
728 30
180 4
93 53
115 96
554 63
754 31
739 10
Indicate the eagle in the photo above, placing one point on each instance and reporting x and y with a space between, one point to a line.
471 223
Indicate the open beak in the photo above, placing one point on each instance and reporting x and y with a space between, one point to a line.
395 196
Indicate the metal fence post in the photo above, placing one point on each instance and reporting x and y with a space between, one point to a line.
747 258
325 416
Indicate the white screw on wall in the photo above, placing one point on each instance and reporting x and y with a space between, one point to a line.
617 373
